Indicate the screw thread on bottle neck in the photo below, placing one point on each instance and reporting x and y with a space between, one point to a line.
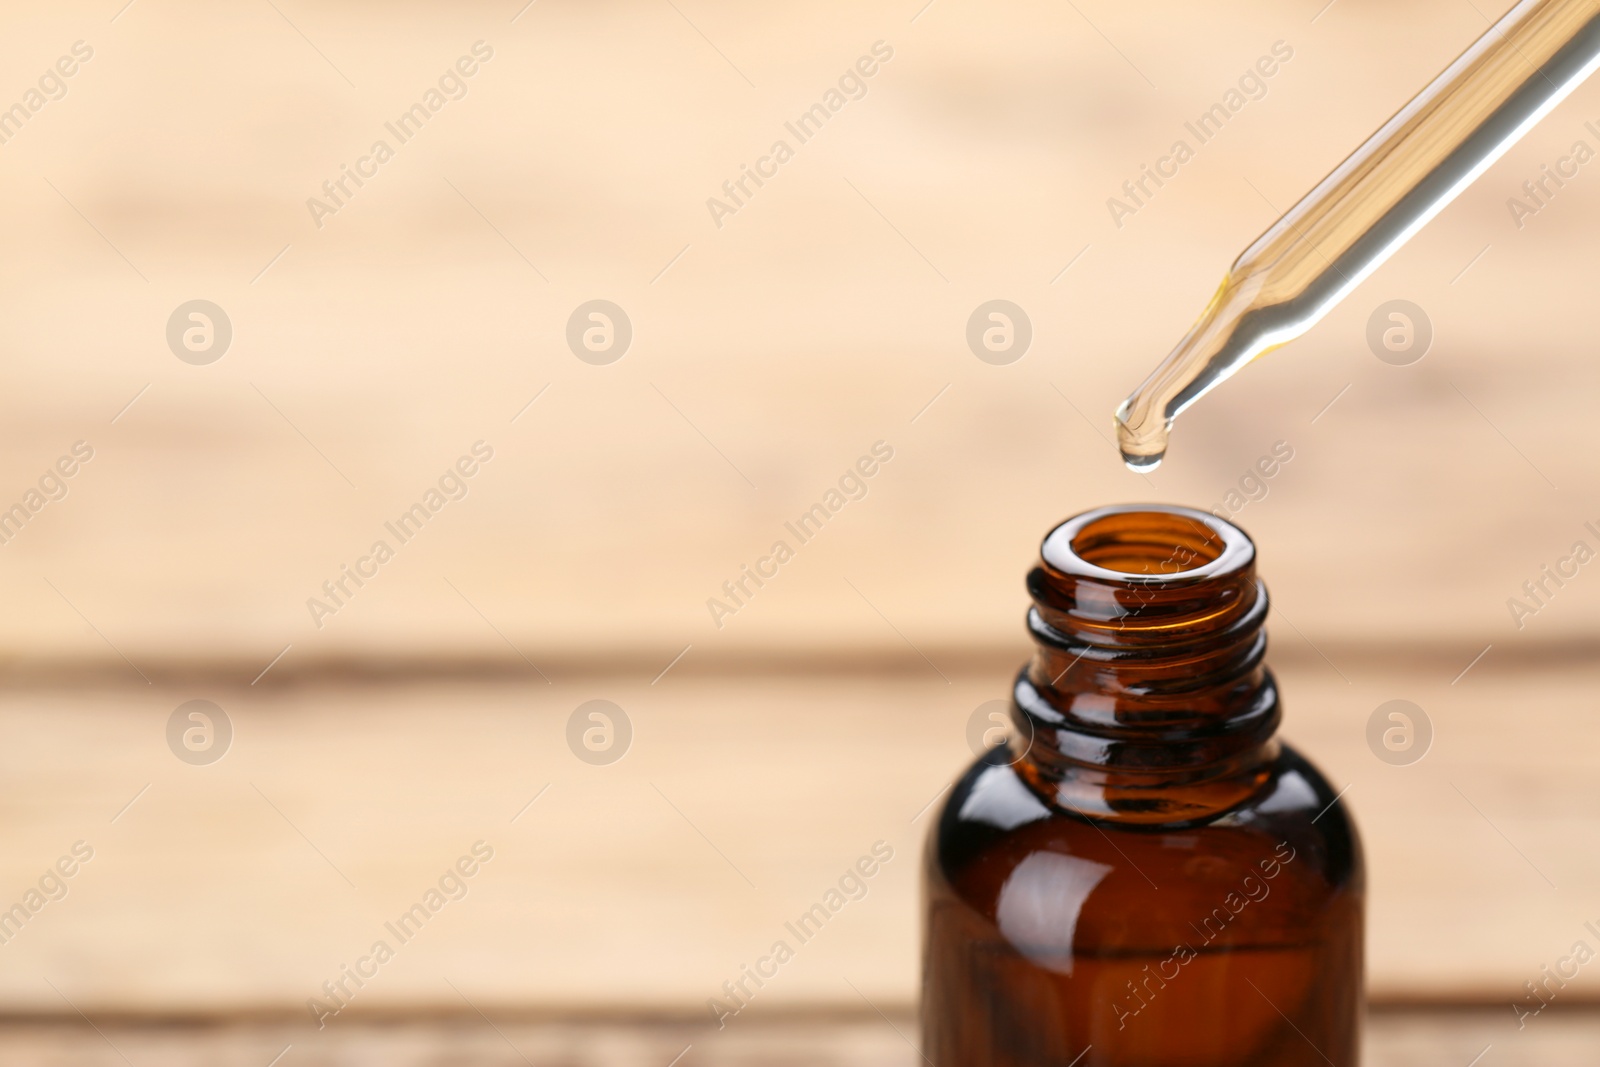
1148 698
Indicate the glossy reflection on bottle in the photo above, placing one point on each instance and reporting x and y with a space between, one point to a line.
1153 880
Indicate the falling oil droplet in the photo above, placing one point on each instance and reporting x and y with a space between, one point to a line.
1142 464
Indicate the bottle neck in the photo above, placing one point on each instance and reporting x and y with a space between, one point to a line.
1148 700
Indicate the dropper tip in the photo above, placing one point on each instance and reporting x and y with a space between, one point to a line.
1142 438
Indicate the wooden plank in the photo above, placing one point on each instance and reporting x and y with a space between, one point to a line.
1393 1039
645 884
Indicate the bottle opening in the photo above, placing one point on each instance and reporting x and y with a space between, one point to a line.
1149 542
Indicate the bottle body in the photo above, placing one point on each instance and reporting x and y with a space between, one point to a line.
1233 944
1145 875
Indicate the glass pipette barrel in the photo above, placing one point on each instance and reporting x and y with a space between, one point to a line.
1370 205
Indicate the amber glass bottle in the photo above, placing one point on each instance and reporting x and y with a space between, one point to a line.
1144 876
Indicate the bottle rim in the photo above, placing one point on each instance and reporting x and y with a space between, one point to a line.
1104 545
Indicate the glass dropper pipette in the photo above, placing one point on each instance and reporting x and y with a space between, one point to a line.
1370 205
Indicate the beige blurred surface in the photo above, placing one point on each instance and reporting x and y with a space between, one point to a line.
822 317
768 355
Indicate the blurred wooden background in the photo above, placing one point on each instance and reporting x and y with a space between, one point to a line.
791 339
768 354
